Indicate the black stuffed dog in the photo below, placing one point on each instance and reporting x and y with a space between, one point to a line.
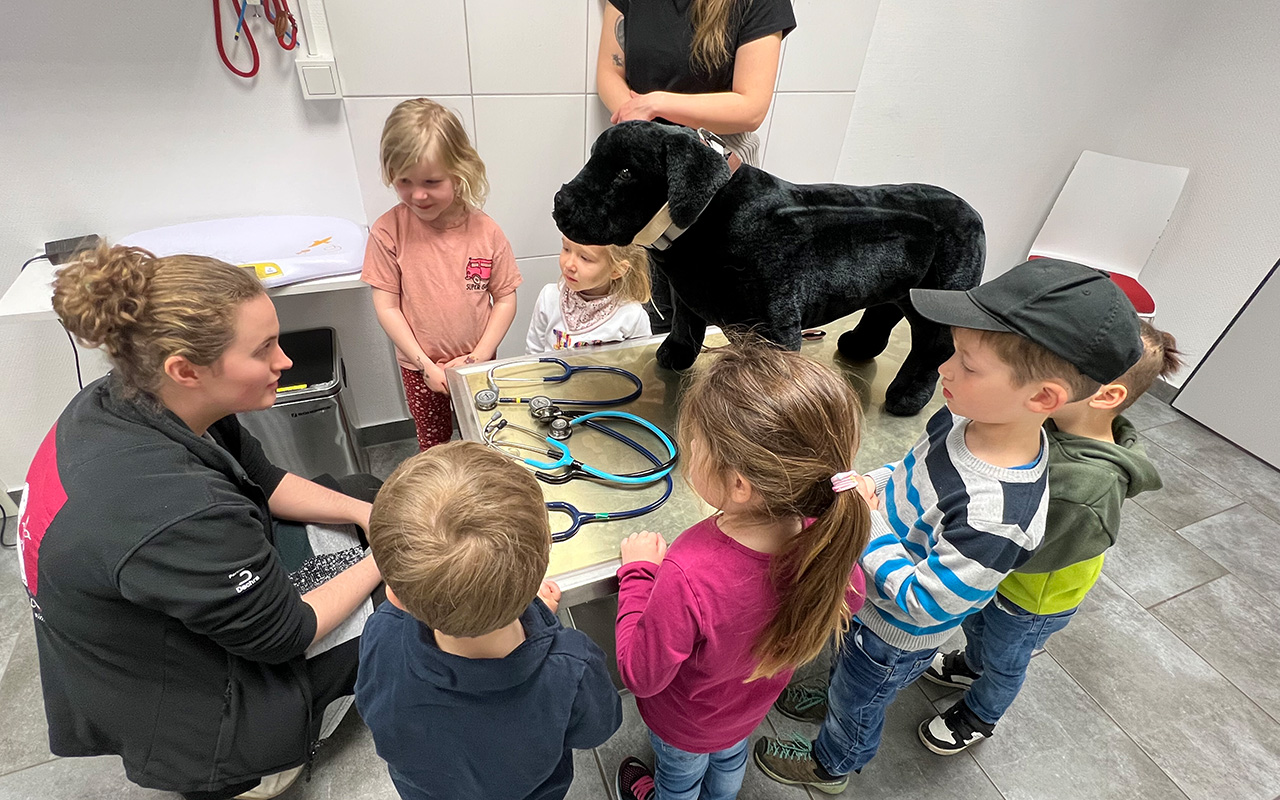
743 248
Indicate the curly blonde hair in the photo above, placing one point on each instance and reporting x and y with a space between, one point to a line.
142 309
423 129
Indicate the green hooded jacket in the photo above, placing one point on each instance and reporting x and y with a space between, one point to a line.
1088 483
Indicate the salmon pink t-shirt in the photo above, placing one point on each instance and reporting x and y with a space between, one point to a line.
685 633
446 278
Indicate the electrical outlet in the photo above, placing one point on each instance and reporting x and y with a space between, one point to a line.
62 250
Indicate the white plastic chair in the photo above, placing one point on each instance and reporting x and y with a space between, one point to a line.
1109 216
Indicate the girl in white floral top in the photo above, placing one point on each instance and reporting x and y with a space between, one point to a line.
596 301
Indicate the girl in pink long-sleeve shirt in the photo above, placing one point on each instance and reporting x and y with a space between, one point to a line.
710 630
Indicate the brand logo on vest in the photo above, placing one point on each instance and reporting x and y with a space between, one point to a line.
246 579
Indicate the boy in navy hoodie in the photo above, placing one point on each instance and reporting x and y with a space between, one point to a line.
469 683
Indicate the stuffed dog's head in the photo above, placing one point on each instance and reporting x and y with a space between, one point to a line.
634 168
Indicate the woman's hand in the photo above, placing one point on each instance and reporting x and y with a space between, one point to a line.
640 106
644 546
550 594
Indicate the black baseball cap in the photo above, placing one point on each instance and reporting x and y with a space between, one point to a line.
1071 310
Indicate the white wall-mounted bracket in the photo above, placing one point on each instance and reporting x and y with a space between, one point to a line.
317 70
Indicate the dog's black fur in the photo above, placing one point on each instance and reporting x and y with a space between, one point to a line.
779 256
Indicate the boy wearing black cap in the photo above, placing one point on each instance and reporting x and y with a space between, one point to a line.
1095 462
968 504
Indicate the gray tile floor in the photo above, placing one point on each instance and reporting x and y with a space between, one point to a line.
1163 687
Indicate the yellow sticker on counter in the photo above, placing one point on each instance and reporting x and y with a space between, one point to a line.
293 388
265 269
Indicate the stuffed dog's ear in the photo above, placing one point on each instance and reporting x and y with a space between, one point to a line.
695 172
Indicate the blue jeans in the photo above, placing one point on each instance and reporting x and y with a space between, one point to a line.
865 677
679 775
1001 638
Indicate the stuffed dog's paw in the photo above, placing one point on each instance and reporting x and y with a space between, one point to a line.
861 348
675 355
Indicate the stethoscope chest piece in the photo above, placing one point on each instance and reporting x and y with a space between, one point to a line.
486 400
561 428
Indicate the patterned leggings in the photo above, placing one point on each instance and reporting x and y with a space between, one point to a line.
432 414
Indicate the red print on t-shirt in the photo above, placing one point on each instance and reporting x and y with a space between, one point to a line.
478 272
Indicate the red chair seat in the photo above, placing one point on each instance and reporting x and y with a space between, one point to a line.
1142 301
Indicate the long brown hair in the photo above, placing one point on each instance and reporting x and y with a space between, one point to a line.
710 20
142 309
787 424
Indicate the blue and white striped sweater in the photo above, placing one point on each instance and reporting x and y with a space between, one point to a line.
949 529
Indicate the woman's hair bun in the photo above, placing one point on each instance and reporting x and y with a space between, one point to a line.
102 293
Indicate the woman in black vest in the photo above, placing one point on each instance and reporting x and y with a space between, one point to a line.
168 630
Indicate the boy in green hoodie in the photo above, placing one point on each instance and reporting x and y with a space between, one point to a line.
1095 462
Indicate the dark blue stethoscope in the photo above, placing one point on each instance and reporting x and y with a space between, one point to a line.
562 459
488 399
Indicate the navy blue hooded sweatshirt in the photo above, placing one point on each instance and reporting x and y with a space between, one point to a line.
496 728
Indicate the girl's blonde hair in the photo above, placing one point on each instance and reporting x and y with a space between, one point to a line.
710 20
423 129
787 424
141 309
633 286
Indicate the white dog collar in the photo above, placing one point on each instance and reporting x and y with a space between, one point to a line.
661 232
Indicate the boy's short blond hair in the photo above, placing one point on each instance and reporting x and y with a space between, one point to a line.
460 533
423 129
1034 362
1160 359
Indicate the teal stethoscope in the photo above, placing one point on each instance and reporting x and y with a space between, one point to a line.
562 459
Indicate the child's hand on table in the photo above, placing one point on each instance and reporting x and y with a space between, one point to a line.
550 594
644 546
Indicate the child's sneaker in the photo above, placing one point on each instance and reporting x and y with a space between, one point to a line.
791 761
805 701
954 731
633 781
950 669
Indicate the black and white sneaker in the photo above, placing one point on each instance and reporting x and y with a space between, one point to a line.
950 669
955 731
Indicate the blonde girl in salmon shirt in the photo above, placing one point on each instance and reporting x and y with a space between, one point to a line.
442 272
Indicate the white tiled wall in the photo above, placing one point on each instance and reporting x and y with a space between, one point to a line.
400 47
533 142
527 46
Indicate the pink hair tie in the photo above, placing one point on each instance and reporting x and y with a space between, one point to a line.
844 481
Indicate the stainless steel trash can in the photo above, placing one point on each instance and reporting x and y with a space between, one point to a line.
308 431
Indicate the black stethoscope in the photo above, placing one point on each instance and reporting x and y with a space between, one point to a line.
488 399
575 469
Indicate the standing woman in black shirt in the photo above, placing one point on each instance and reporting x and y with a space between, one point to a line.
702 63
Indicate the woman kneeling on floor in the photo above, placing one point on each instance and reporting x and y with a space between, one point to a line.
168 630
